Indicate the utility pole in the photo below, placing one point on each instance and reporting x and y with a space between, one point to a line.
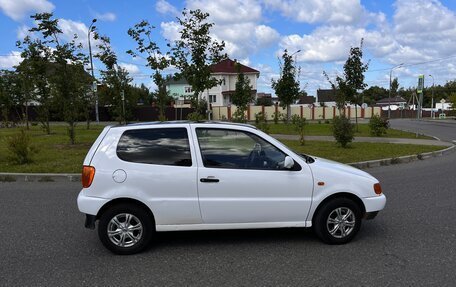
94 90
389 93
432 99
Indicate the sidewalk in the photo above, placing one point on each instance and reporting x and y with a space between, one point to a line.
368 139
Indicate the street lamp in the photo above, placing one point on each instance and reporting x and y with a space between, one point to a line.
389 93
432 99
91 28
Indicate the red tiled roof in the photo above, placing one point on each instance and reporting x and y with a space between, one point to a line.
228 66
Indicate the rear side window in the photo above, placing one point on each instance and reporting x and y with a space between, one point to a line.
167 146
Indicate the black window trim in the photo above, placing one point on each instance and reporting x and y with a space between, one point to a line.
296 167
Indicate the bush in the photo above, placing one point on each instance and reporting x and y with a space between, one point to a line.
378 126
343 130
261 122
20 148
299 124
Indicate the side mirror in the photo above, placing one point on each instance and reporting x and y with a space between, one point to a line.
288 162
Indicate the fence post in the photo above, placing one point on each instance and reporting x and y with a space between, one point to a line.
301 110
248 112
228 112
324 113
362 113
334 112
313 113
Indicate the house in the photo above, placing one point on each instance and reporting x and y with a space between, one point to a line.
226 72
179 88
326 97
306 100
394 103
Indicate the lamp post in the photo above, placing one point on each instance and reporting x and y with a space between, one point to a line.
389 93
432 99
91 27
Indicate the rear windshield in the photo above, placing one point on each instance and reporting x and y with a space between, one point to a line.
168 146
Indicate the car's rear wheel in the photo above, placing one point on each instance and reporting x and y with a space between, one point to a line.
338 221
126 228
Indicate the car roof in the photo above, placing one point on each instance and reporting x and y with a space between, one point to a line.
185 122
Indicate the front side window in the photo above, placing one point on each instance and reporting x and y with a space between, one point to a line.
221 148
167 146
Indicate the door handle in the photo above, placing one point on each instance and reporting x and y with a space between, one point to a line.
209 179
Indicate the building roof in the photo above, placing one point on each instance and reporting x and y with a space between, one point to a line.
306 100
393 100
174 81
229 66
328 95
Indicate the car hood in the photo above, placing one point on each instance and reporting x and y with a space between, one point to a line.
329 165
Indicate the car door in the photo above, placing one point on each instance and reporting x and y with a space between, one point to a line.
241 180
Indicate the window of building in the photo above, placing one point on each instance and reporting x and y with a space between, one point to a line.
212 98
188 89
221 148
168 146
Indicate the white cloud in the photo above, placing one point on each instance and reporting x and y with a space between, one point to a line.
170 31
108 16
164 7
19 9
23 31
319 11
10 60
237 22
71 28
131 68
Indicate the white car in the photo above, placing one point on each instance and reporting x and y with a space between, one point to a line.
169 176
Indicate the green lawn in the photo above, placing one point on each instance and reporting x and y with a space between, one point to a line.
56 155
358 151
322 129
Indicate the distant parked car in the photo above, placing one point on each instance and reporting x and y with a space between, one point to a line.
142 178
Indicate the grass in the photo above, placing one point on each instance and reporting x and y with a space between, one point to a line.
56 155
322 129
358 151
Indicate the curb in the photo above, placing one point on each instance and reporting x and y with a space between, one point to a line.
75 177
403 159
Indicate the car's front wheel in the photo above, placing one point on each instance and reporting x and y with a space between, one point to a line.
338 221
126 229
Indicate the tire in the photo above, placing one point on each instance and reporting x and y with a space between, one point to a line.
338 221
126 229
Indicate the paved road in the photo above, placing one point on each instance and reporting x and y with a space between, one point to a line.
411 243
444 130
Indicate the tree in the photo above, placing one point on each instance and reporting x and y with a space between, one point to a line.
117 81
394 87
36 70
69 80
352 80
287 86
195 52
9 93
156 60
242 95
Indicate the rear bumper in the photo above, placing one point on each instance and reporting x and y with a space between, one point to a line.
90 205
375 203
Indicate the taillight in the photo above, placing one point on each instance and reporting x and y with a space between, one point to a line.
88 172
378 188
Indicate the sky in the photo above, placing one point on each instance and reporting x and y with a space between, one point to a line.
420 34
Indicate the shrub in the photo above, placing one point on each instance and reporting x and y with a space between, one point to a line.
261 122
299 124
20 148
378 126
343 130
276 117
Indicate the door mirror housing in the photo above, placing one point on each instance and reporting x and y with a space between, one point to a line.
288 162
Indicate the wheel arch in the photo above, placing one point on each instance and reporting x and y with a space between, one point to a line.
125 200
348 195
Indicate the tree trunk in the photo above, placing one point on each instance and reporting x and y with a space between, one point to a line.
356 117
26 115
288 113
